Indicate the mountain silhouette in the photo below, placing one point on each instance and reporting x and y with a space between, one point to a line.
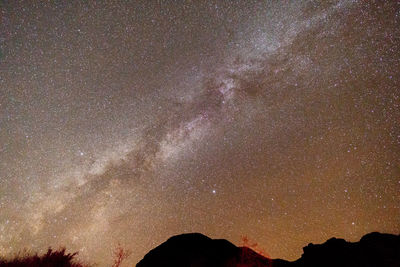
197 250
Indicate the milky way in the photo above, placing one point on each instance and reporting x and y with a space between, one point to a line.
126 123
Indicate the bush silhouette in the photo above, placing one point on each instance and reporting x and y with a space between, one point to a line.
57 258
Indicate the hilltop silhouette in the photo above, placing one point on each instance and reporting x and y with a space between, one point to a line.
199 250
373 250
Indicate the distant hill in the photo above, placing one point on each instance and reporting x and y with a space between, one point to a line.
197 250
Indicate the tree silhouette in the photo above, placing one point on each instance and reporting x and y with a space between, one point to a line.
120 254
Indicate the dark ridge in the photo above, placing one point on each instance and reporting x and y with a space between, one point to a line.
197 250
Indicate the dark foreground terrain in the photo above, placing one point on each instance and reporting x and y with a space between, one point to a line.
374 249
197 250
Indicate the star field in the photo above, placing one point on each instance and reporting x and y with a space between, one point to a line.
128 122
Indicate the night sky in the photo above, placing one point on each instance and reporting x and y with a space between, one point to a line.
131 121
